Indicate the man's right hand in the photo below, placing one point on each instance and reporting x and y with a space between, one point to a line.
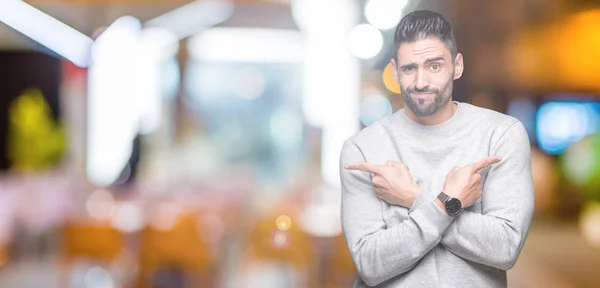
464 182
393 182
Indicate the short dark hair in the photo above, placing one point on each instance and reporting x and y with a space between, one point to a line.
421 24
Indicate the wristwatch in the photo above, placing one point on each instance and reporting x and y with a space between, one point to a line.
453 205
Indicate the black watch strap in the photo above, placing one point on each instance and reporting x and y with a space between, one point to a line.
443 197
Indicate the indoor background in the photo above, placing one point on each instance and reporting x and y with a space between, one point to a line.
155 143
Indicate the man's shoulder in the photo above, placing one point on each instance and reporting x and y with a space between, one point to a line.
492 119
371 132
499 126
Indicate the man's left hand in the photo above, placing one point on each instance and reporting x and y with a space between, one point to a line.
393 182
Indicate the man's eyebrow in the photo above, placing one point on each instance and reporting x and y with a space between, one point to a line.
413 65
435 59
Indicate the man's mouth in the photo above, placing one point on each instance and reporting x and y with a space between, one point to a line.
421 95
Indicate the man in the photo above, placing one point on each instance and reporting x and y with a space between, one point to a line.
440 193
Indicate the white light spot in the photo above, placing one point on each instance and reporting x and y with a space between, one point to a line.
384 14
100 205
128 217
97 277
365 41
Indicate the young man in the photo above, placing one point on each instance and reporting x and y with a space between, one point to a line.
440 193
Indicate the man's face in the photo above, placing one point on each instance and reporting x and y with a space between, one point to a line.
425 72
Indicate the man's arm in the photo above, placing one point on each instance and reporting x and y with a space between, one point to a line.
381 253
495 237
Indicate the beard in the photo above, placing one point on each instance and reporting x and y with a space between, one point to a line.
417 105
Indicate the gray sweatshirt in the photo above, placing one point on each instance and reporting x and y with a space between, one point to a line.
393 246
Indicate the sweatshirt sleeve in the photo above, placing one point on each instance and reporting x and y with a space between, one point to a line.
379 252
495 237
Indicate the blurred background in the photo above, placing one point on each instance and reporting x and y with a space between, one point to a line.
155 143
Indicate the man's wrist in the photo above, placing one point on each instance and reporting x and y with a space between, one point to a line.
452 206
440 204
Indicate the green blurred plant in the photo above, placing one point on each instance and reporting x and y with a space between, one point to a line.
581 166
35 141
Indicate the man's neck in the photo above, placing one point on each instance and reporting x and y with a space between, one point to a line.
439 117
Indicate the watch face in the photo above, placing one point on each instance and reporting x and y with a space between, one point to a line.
453 206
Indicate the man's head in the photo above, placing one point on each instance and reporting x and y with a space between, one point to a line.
427 61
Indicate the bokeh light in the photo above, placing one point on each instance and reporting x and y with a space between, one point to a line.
164 216
280 239
365 41
283 222
373 108
581 165
128 217
388 79
578 57
100 205
589 223
562 123
98 277
384 14
321 220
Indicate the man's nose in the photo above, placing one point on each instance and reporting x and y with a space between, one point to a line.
422 80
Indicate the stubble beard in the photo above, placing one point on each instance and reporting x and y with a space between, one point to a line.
416 105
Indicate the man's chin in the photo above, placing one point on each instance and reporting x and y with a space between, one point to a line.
422 110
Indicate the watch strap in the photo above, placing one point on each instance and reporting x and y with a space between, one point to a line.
443 197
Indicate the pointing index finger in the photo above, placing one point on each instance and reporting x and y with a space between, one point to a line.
364 166
484 163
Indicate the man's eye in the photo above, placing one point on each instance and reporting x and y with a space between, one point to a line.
435 67
408 69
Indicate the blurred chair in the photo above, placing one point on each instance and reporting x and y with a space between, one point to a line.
274 250
340 270
178 249
94 241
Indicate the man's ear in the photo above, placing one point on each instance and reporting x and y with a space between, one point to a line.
394 70
458 66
